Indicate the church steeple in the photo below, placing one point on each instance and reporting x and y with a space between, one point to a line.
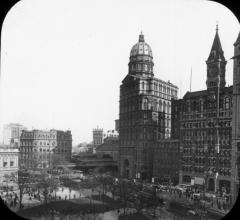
216 64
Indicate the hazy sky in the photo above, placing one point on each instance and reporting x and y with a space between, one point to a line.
63 60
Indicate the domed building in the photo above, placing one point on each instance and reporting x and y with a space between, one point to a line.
145 113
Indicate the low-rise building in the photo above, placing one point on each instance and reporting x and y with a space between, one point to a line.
8 165
109 148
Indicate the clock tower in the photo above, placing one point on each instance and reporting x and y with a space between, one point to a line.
216 65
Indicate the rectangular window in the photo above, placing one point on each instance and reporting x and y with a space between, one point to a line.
238 146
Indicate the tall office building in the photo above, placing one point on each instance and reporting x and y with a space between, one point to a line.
202 122
145 113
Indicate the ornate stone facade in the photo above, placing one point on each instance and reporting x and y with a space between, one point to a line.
8 162
236 121
42 149
202 122
145 113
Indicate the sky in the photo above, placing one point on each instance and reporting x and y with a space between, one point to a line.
62 61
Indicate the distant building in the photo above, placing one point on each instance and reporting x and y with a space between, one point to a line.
117 125
12 132
42 149
145 113
109 149
111 134
8 164
166 161
97 138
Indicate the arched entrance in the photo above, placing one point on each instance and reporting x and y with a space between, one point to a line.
211 186
126 168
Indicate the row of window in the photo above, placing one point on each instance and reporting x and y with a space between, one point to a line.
31 135
147 105
160 88
6 164
141 67
44 143
225 103
222 171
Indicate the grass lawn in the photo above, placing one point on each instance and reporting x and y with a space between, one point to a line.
111 203
73 206
66 207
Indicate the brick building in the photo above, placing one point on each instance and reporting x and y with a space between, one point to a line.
202 122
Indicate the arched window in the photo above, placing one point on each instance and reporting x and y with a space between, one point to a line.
160 87
132 67
227 103
168 108
164 106
155 106
145 104
145 67
160 106
149 106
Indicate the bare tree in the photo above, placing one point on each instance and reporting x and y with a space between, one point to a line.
24 181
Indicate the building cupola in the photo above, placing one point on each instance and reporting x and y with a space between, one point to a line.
141 60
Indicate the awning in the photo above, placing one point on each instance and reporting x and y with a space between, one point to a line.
198 181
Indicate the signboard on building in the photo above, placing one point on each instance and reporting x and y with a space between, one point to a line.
198 181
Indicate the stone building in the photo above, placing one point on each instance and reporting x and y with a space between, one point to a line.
12 133
8 164
202 121
166 161
145 113
43 149
97 138
235 159
109 149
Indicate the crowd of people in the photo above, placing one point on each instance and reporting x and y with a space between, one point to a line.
194 195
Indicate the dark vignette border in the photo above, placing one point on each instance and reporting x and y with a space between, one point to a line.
6 5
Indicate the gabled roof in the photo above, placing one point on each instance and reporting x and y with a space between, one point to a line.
228 89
